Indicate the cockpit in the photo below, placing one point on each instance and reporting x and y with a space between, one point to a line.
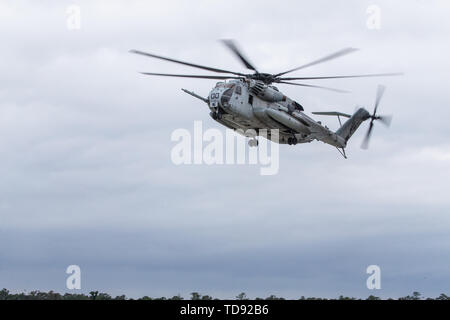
223 92
226 95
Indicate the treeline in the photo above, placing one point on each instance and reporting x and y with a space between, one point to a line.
95 295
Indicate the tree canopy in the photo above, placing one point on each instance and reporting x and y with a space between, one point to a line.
5 294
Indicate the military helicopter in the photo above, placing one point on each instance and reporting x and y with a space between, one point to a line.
250 101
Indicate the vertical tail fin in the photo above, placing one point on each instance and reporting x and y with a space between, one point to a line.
352 124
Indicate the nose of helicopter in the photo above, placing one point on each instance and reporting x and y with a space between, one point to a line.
214 97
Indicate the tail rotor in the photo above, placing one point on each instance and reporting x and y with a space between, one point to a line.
386 120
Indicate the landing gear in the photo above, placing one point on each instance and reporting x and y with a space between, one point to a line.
253 143
292 141
216 115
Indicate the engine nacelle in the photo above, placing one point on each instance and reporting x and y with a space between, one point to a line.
265 92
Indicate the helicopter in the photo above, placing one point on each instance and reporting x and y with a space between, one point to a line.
248 103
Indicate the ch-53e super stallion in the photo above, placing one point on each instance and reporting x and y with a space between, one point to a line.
251 101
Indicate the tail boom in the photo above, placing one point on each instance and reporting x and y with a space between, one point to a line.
352 124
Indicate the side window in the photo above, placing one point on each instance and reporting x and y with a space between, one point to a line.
238 90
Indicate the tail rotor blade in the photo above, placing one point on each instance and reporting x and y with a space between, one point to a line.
365 143
386 120
380 92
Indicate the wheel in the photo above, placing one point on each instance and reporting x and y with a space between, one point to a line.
294 141
289 141
219 116
253 143
214 115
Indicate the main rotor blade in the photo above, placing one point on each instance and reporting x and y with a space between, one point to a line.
185 63
341 77
189 76
326 58
365 143
232 46
313 86
380 92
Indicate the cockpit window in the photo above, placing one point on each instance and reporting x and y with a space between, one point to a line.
238 90
226 96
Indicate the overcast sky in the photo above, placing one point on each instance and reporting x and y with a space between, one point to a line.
86 175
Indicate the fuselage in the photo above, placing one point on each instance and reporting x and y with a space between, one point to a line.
250 104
